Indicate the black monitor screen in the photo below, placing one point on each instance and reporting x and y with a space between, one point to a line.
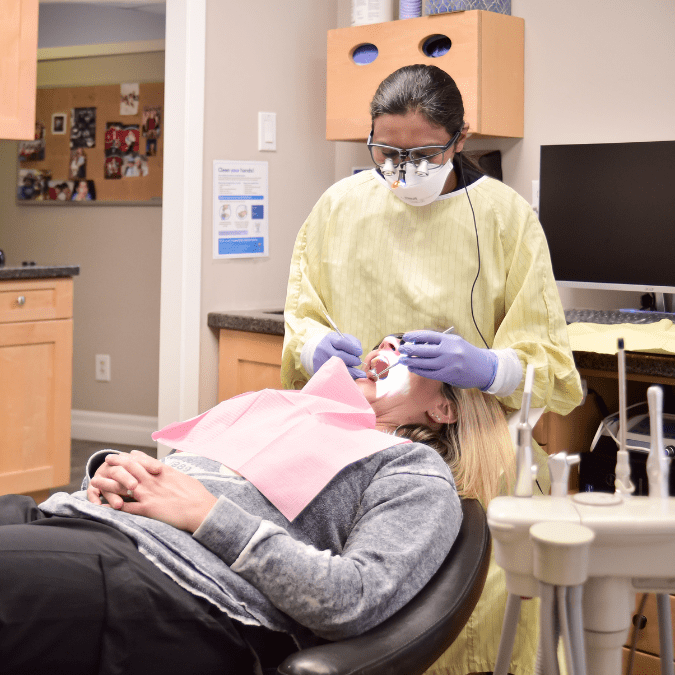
608 211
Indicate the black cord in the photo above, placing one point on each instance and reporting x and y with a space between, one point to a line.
475 227
599 402
636 634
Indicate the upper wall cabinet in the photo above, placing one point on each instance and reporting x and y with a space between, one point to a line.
482 51
18 68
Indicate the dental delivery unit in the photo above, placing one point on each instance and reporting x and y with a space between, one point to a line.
586 555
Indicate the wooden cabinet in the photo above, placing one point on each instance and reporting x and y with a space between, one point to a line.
486 60
36 347
248 362
647 661
18 68
644 664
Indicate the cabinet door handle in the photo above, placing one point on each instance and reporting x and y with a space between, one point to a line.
21 300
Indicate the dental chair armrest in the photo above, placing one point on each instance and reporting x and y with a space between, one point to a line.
412 639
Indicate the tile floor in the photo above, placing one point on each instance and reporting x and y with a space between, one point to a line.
80 451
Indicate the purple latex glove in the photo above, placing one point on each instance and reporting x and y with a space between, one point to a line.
346 347
448 358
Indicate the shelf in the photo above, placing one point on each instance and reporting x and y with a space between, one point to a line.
486 60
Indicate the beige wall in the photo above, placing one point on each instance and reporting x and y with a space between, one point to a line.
272 59
116 300
595 72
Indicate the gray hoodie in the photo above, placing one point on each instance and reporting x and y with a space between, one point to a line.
368 542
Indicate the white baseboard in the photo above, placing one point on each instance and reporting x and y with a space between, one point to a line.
88 425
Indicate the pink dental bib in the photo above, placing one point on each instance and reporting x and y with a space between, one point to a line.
289 444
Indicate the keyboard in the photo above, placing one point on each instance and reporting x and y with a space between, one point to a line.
615 316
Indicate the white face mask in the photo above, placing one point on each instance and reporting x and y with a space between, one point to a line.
419 190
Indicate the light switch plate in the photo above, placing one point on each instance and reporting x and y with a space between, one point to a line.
267 131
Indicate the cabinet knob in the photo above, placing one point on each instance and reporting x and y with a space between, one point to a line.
21 300
639 621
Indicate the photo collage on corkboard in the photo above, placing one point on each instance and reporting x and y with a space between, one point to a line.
94 144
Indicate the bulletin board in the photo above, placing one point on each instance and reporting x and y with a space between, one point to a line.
94 145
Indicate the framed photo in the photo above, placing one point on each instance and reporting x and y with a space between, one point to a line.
59 123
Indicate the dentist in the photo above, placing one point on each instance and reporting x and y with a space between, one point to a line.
422 242
425 241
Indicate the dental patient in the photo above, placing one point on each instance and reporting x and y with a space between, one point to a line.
283 519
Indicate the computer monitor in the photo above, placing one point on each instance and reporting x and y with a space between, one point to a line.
608 211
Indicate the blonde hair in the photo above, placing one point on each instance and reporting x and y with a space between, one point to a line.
477 448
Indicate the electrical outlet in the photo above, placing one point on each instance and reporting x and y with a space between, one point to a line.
103 367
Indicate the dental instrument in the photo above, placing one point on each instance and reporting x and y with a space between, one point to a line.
622 482
524 464
657 461
657 473
332 324
337 330
376 376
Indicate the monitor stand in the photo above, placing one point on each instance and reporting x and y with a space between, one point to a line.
664 302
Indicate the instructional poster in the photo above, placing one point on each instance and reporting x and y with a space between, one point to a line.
240 208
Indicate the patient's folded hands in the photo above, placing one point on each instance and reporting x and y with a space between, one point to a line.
159 491
113 480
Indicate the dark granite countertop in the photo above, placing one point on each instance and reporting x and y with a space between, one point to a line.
38 272
637 363
269 321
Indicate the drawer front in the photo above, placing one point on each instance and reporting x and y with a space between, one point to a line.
643 664
36 300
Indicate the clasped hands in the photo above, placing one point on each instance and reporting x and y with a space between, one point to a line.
159 491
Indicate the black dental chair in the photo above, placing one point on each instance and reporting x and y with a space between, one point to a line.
412 639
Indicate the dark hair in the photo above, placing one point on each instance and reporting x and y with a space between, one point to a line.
424 89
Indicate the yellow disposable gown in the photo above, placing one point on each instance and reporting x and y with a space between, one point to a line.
379 266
